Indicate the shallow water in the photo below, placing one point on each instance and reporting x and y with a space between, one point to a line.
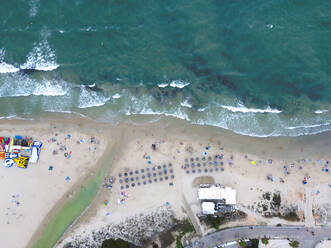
256 67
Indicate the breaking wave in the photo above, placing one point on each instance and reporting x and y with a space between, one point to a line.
89 98
116 96
20 85
179 84
49 88
321 111
174 84
41 58
5 67
185 104
243 109
162 85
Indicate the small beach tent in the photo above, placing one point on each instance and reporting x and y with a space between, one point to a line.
36 148
23 162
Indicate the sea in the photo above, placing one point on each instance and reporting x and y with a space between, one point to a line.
256 67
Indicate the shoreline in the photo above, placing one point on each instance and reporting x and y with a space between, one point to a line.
155 117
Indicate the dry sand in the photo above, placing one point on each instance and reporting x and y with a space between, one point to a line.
40 190
27 195
175 143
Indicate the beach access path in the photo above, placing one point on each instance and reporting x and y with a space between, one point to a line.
306 236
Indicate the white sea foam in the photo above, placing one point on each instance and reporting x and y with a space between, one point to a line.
147 111
116 96
91 85
186 104
41 58
5 67
162 85
89 98
48 88
179 84
321 111
8 117
243 109
66 112
309 126
201 109
88 29
21 85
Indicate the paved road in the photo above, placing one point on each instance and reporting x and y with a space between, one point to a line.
302 234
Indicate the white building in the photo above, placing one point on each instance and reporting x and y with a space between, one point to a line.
208 208
218 193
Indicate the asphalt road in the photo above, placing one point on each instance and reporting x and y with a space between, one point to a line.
306 236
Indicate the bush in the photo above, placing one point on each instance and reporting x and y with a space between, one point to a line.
254 243
291 216
242 243
115 243
215 222
265 240
276 200
294 244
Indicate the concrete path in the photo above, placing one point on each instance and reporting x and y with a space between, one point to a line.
306 236
309 218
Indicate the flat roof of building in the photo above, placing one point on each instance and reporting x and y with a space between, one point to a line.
218 193
208 208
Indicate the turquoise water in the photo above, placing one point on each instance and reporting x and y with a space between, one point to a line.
255 67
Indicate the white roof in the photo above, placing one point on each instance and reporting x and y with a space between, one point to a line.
212 193
208 208
218 193
229 195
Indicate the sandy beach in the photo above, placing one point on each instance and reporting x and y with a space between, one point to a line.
183 157
188 153
29 195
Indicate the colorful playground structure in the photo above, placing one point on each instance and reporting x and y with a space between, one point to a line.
19 151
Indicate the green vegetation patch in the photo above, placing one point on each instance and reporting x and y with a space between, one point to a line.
291 216
265 240
215 222
294 244
184 227
72 209
115 243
